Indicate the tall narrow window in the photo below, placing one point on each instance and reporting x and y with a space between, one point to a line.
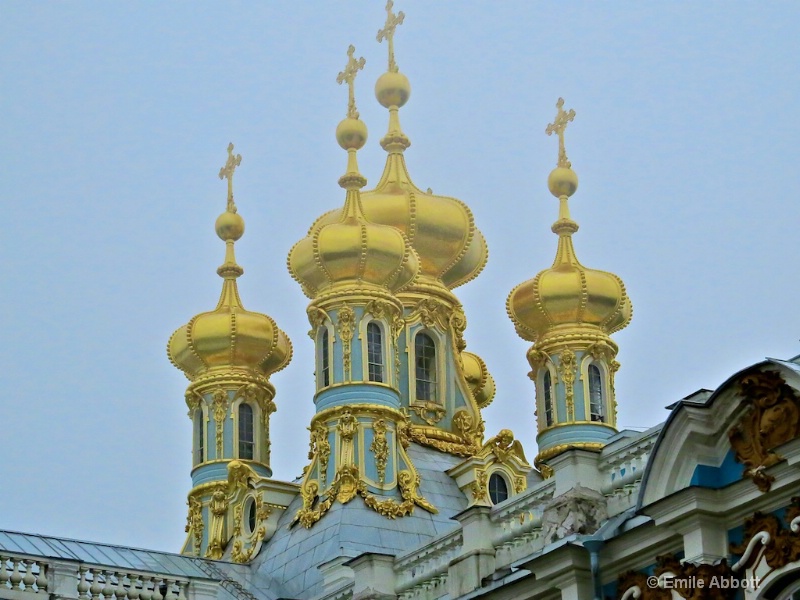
199 436
425 354
596 395
375 352
325 366
498 488
246 438
548 399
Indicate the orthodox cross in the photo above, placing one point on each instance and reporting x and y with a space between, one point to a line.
234 160
558 126
392 21
349 75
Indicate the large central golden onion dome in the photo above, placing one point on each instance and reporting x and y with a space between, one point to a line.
451 249
349 252
568 300
229 339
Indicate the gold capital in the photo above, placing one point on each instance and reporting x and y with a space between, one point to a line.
234 160
349 75
392 21
558 126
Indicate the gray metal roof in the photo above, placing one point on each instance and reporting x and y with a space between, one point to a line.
92 553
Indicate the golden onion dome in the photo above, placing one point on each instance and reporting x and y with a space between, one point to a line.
349 252
229 339
451 249
480 381
567 297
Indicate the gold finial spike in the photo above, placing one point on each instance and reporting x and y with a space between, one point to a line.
558 126
392 21
234 160
349 75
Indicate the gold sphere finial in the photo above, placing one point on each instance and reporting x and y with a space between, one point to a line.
562 180
230 225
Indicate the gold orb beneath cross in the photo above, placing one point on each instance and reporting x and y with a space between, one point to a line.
351 134
392 89
229 226
562 181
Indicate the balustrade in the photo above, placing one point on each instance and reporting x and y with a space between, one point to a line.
422 574
23 575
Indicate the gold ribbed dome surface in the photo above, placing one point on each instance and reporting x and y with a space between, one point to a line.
349 252
567 297
229 338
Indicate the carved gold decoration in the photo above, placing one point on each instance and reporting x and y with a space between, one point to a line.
220 404
216 539
398 324
194 522
316 317
504 445
458 324
346 320
387 33
422 435
558 126
193 401
430 412
472 433
380 448
536 358
381 309
431 312
696 582
347 428
783 544
771 418
520 485
321 448
480 487
545 455
349 76
239 553
567 367
346 484
404 430
613 367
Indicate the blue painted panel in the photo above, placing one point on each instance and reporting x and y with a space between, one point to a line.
728 472
580 432
357 393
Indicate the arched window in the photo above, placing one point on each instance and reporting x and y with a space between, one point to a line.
325 361
498 488
246 439
199 437
596 395
425 356
548 399
375 352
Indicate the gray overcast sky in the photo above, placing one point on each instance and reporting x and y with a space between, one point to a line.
115 119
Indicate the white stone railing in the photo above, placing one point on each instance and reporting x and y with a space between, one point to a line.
422 574
519 521
21 576
623 470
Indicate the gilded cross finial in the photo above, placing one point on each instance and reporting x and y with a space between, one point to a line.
392 21
558 126
349 75
234 160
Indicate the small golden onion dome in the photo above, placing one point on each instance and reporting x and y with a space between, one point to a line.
480 381
350 253
568 294
229 339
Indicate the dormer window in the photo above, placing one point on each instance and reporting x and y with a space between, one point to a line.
596 411
246 433
498 488
425 368
375 352
547 384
